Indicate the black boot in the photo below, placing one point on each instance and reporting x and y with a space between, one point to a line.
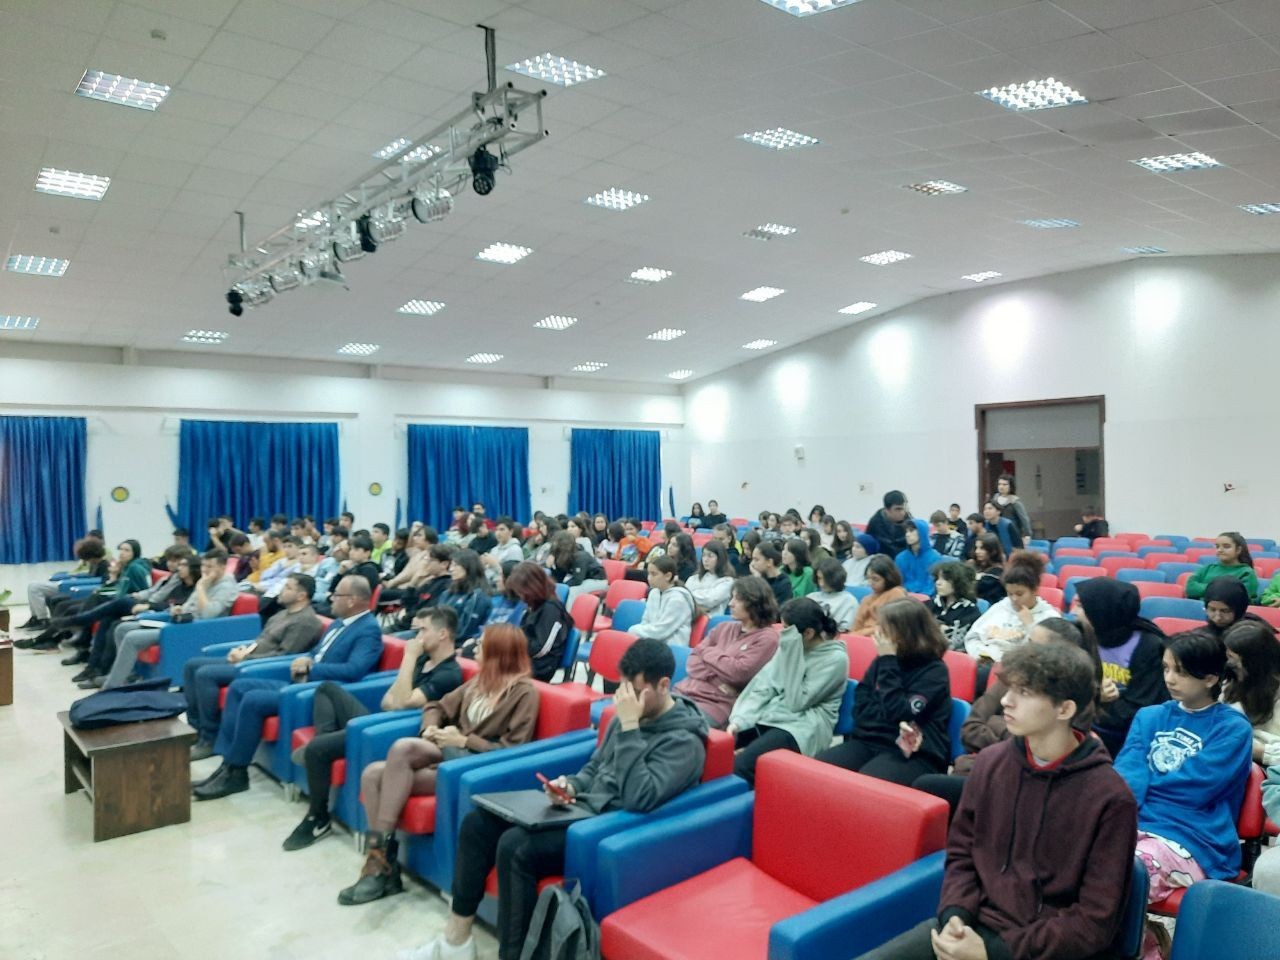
88 673
380 876
81 655
228 781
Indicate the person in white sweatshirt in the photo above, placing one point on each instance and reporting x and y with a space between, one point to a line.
831 595
713 582
1008 623
669 611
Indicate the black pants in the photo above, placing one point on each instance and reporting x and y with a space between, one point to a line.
334 709
943 785
754 743
880 761
523 857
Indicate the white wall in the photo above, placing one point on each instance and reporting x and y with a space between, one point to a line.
1185 351
133 413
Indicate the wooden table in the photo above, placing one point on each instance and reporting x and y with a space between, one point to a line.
6 673
138 775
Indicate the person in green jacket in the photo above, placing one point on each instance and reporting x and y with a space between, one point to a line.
796 565
793 702
1233 561
1271 595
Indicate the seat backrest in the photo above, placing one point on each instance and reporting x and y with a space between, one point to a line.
1071 543
469 668
715 621
844 716
719 762
613 569
1154 561
1170 626
862 653
233 565
561 709
869 827
627 614
681 655
963 670
1112 564
1153 607
960 710
1226 921
1172 570
1269 614
157 575
1051 595
1265 567
606 653
562 591
1108 543
1128 942
698 630
243 604
1060 562
1074 570
621 590
392 653
1147 588
1073 552
585 609
1179 542
1048 579
1130 537
375 597
1195 553
1252 818
1147 549
860 592
1139 575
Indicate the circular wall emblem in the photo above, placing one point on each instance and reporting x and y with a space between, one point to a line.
119 494
375 488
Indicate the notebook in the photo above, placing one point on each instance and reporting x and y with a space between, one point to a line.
529 809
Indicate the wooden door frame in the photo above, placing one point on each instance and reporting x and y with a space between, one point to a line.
980 424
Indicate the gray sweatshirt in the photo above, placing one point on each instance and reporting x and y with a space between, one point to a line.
668 616
641 769
220 598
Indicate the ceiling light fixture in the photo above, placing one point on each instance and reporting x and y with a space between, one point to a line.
779 138
10 321
769 231
482 164
126 91
1051 223
288 278
421 154
422 308
982 276
667 333
556 322
249 293
1175 162
380 226
862 306
1034 95
885 257
507 253
759 344
649 275
68 183
430 206
615 198
484 358
590 366
357 349
680 374
1144 251
391 149
557 70
1260 209
309 221
36 266
761 294
807 8
937 188
205 336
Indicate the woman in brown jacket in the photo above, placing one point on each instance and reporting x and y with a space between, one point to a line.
885 580
496 708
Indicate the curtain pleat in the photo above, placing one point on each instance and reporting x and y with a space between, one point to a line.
42 503
457 465
616 472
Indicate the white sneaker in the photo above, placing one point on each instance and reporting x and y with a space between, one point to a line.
438 949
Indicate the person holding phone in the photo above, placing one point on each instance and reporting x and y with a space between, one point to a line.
1007 624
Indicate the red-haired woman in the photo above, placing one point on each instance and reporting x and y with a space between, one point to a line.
496 708
546 623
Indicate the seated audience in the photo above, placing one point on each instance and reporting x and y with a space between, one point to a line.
733 652
829 578
1187 762
347 651
885 580
889 524
1006 624
1251 684
653 750
380 534
91 553
975 528
569 564
679 547
842 541
1041 848
273 577
1005 531
272 549
481 539
1270 596
467 593
634 547
697 517
770 526
546 623
1233 560
918 560
670 607
954 603
599 528
902 707
1092 525
796 567
739 558
793 701
714 518
766 563
1012 508
946 541
813 540
988 568
496 708
860 553
292 630
712 584
577 528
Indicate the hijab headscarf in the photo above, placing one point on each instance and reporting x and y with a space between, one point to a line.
1230 591
1112 608
869 543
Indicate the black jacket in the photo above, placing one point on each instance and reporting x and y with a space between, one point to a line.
892 536
584 567
547 628
888 694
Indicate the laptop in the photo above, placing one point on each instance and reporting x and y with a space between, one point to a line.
530 809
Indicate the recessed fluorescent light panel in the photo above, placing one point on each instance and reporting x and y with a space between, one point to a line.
557 70
68 183
937 188
1174 162
666 333
204 336
769 231
391 149
1260 209
126 91
984 275
807 8
1034 95
615 198
37 266
680 374
503 253
590 366
484 358
9 321
556 322
1145 251
359 349
421 154
759 344
862 306
885 257
1052 223
761 294
422 308
649 275
779 138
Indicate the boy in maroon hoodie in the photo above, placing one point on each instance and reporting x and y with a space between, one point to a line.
1041 849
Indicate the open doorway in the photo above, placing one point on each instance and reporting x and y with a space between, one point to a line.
1054 449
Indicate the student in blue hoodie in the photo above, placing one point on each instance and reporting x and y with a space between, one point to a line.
993 522
1187 762
918 559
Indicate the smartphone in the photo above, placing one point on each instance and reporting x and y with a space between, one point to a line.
555 790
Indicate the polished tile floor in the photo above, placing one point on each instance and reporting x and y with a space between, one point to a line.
217 887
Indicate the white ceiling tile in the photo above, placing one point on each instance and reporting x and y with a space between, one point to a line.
1025 26
372 50
184 36
285 24
1227 60
218 81
1205 27
1260 16
1257 86
934 48
251 54
1106 14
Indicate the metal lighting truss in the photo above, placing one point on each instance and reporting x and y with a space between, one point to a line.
306 248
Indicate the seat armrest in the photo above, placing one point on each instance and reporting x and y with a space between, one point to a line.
270 668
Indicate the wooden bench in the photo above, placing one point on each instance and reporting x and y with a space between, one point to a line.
138 775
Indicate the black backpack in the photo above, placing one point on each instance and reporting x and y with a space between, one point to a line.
135 702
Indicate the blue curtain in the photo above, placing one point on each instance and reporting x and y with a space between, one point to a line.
42 505
616 472
255 469
450 465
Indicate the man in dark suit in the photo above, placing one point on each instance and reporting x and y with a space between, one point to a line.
347 651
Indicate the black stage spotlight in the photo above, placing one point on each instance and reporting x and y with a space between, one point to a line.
483 164
236 302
